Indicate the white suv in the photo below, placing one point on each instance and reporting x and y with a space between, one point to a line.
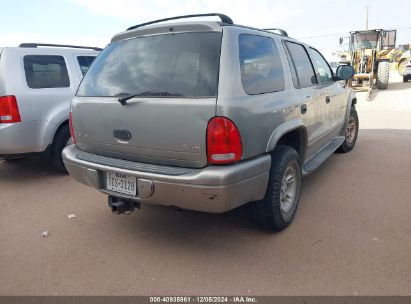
37 82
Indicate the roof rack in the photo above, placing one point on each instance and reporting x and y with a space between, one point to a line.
282 32
224 18
35 45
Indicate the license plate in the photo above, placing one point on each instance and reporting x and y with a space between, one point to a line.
122 183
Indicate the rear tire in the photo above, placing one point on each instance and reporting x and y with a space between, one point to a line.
277 209
61 139
383 75
351 132
404 79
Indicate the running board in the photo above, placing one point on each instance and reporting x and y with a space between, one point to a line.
317 159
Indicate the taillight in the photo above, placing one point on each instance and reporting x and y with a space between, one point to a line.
9 111
223 141
71 127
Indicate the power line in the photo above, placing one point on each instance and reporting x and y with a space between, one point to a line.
345 33
321 36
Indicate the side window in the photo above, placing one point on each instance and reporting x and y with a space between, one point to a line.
261 68
388 39
85 62
323 69
45 71
300 64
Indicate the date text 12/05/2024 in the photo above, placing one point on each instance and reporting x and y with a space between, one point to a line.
204 299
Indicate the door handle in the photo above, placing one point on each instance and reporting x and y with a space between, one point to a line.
303 109
327 99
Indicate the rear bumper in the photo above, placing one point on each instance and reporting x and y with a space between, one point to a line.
214 189
19 138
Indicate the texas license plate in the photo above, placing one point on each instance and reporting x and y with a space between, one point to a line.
122 183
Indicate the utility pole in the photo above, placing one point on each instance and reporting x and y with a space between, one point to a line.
366 17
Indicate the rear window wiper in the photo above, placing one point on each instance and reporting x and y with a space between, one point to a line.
123 100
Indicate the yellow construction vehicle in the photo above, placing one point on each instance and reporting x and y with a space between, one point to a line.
370 55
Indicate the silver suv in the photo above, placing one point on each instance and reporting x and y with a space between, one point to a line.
37 83
208 116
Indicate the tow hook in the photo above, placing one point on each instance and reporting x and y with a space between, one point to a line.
121 205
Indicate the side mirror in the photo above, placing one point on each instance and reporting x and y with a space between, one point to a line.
313 80
341 40
344 72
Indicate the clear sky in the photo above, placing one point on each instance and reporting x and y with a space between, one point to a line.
93 22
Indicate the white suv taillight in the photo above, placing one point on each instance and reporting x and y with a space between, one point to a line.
9 111
71 127
223 141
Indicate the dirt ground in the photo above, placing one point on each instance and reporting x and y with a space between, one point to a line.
351 235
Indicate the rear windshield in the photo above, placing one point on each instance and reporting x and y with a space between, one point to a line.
168 65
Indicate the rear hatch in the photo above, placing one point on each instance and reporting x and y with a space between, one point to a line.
174 78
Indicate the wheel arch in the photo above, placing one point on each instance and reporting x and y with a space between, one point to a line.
292 133
57 117
351 102
62 124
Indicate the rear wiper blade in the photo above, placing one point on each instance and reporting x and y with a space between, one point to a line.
123 100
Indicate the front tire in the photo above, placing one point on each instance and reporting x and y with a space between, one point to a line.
383 74
351 132
61 140
277 209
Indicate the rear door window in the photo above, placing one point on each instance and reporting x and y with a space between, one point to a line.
301 68
261 67
45 71
85 62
